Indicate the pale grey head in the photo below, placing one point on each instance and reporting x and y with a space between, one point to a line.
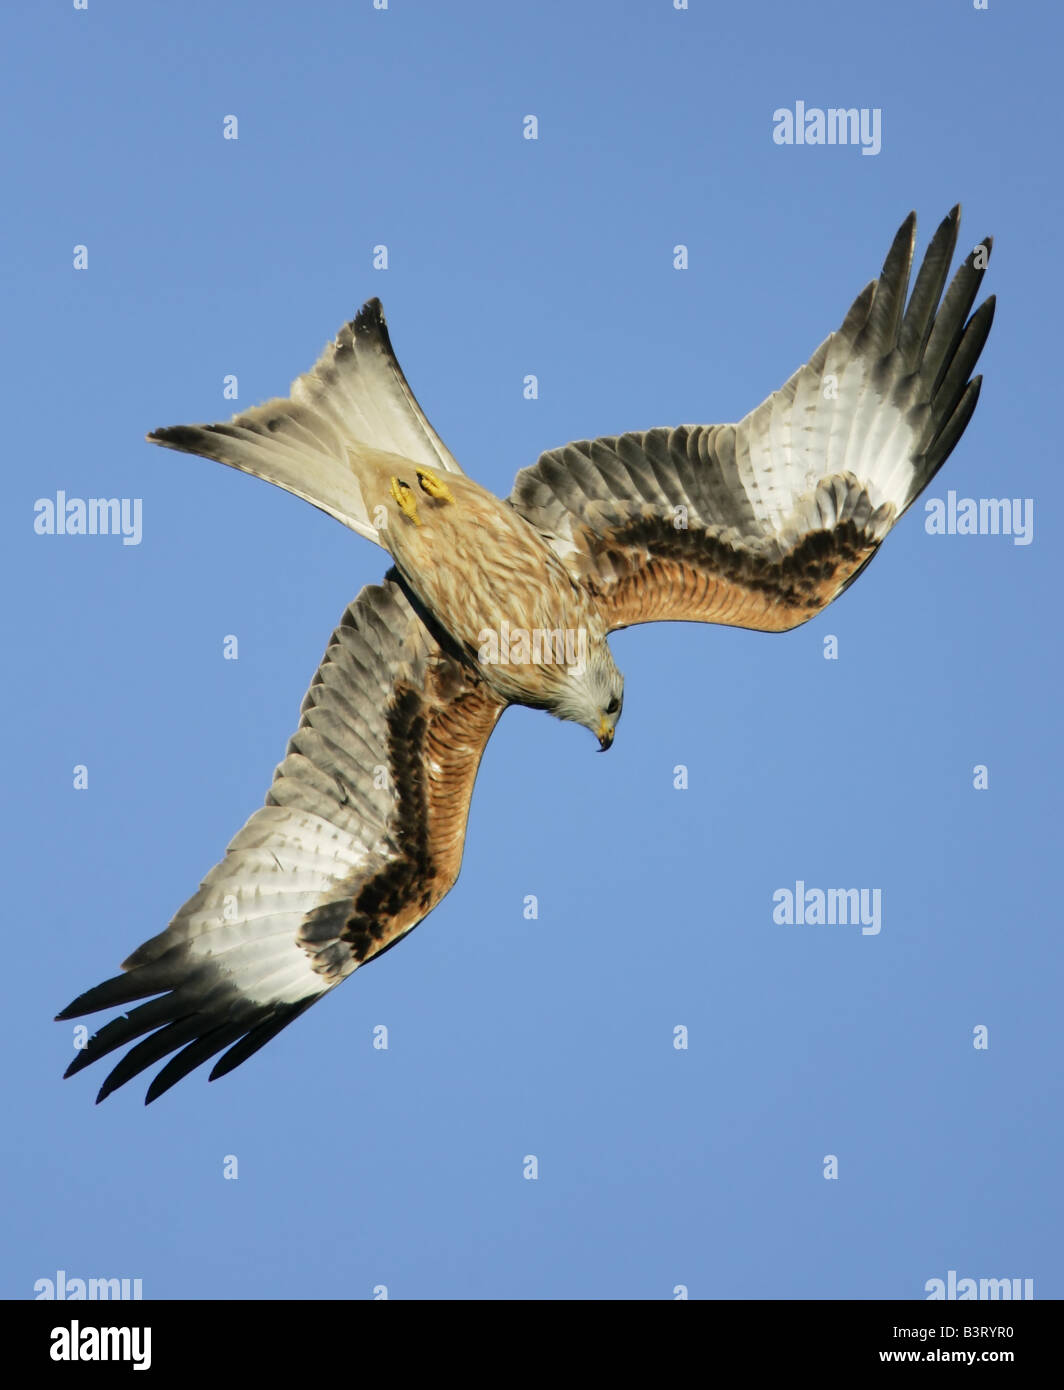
592 693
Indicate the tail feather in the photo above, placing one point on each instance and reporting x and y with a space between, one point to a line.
352 409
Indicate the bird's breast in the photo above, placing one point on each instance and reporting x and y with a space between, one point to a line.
499 590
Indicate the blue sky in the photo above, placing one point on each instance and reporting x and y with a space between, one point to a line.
658 1167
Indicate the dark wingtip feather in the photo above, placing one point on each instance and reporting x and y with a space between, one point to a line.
258 1037
120 989
949 435
881 327
927 291
99 997
857 314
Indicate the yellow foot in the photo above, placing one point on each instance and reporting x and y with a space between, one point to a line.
432 485
404 495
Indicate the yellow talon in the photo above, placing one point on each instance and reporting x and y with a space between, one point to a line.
404 495
432 485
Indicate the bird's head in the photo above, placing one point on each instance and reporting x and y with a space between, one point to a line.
592 693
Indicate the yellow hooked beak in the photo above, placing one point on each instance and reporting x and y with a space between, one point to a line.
605 734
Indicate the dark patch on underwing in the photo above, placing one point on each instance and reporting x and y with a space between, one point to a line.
794 579
405 882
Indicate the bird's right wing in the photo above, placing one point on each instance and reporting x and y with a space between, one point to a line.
360 837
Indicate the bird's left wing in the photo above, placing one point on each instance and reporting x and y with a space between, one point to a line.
761 524
360 837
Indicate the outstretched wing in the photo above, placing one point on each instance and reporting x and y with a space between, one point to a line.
360 837
763 523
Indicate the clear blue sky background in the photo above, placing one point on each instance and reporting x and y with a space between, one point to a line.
552 1037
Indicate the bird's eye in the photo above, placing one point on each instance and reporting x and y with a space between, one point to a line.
614 705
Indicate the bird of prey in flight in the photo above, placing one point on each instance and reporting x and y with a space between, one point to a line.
758 524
